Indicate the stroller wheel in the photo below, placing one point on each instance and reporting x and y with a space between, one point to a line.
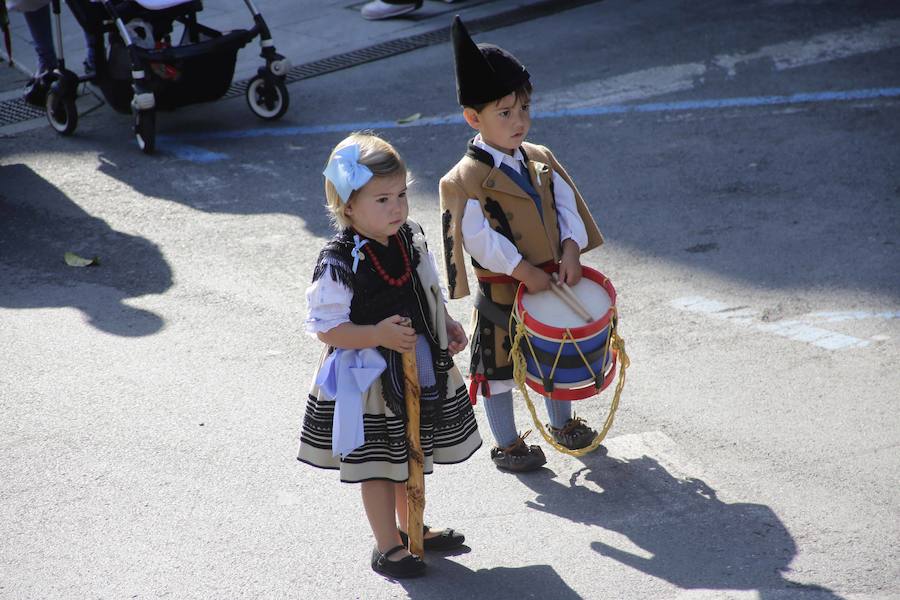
145 130
61 112
267 97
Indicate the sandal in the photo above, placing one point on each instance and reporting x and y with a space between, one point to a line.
408 566
447 540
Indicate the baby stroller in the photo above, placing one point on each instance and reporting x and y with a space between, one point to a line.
139 70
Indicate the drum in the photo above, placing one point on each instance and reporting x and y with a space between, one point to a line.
567 357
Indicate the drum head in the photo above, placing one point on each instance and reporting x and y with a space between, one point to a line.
548 308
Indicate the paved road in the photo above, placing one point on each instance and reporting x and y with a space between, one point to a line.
741 159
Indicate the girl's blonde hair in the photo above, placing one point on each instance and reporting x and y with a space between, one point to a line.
375 153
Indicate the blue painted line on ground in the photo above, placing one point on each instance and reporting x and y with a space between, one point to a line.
178 146
191 153
751 101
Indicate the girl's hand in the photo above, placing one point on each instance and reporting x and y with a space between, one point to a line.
456 336
570 264
395 334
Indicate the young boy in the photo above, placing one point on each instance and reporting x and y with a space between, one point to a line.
514 209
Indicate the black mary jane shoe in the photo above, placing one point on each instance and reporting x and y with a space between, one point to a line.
405 568
447 540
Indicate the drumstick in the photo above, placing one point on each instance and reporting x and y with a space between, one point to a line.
575 299
557 290
569 296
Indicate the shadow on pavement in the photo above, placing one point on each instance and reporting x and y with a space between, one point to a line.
684 533
447 579
285 179
39 224
792 197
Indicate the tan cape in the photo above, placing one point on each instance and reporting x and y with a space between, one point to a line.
512 213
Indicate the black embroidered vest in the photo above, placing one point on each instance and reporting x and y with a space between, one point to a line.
374 300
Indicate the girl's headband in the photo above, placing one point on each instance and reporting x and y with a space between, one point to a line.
345 173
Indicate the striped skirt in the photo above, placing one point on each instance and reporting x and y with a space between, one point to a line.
384 455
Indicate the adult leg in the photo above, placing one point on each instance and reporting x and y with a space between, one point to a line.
94 45
41 30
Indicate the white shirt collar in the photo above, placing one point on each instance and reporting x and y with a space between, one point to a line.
499 156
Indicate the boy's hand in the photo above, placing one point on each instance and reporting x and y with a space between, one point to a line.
570 263
396 334
456 336
535 279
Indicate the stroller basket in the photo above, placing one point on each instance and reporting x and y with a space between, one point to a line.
196 72
230 42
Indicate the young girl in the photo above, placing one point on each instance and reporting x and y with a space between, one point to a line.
376 294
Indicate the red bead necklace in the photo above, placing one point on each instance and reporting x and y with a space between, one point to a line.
394 281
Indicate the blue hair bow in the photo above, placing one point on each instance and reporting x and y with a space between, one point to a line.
345 172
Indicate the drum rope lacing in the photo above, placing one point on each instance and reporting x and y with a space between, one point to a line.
520 374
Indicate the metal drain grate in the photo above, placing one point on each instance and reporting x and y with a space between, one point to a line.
16 111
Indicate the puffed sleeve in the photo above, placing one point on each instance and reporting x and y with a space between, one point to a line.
570 225
492 251
328 303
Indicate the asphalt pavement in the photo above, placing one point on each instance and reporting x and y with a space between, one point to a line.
741 159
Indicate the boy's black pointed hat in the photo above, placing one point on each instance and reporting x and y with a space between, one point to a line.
484 72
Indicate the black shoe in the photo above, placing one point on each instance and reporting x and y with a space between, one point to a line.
448 540
574 435
36 89
406 567
518 456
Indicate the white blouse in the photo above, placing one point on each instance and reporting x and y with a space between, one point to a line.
327 304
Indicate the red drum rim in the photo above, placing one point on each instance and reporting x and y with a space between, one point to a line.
579 393
557 333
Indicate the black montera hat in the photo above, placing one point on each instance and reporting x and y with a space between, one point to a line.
484 72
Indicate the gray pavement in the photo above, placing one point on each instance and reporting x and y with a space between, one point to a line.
11 78
741 159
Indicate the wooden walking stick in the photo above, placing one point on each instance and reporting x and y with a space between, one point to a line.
415 485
